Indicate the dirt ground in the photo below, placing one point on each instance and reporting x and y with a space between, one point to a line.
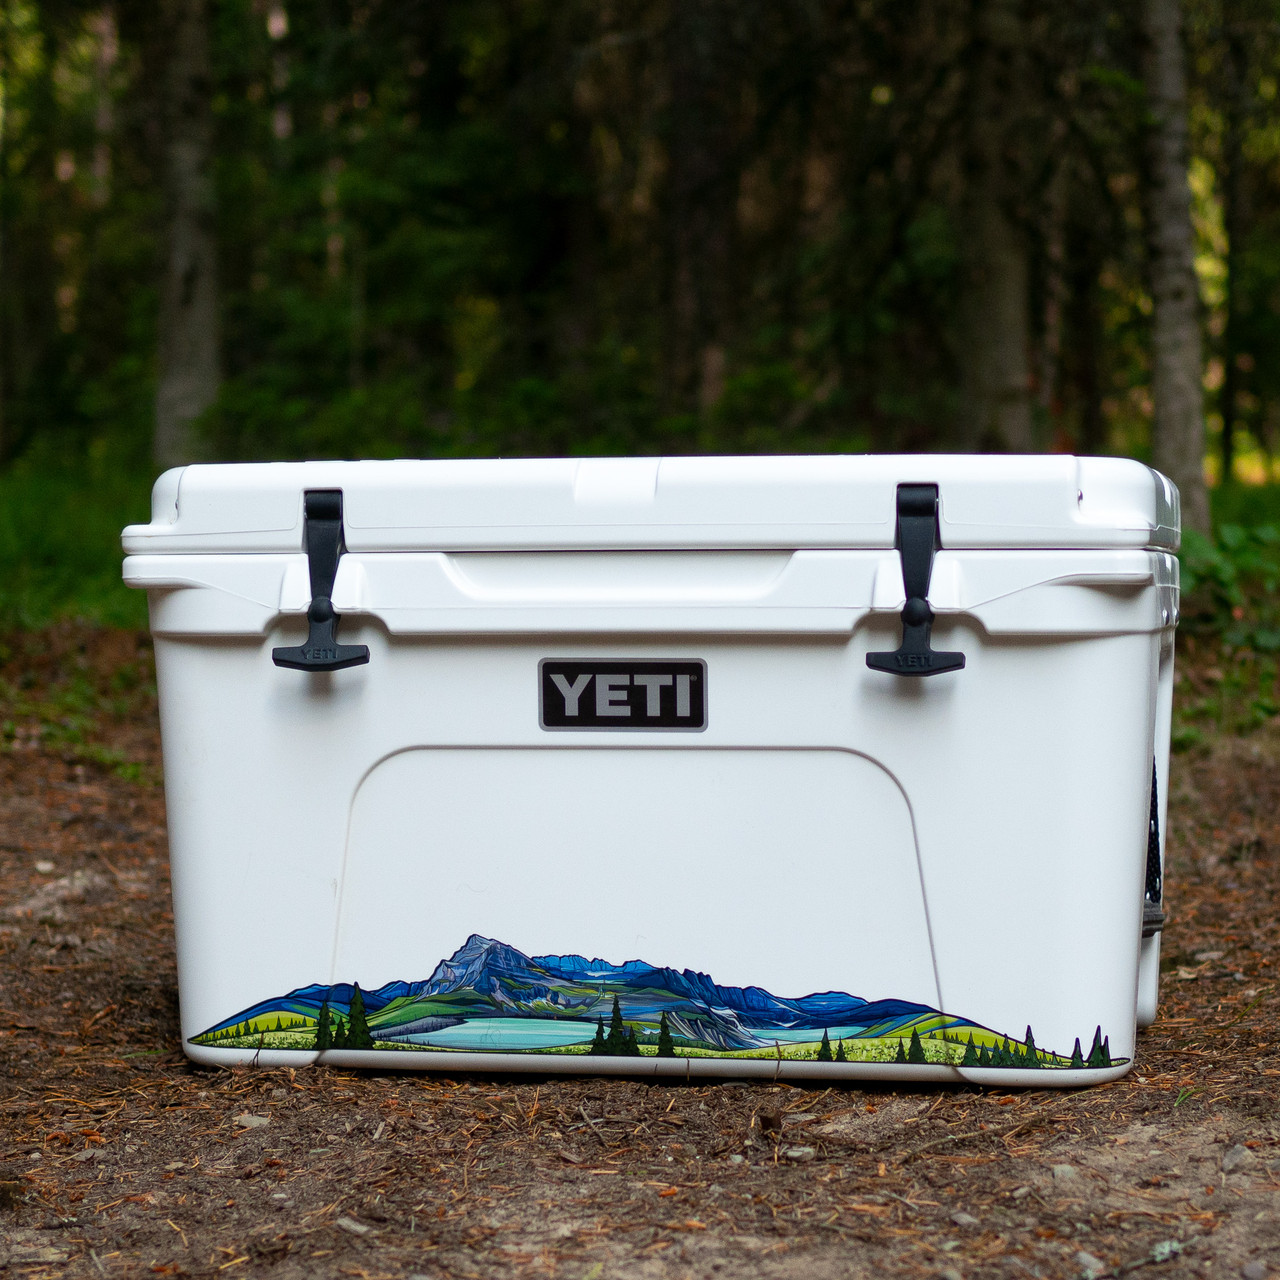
117 1157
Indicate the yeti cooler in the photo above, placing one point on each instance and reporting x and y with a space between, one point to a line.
838 767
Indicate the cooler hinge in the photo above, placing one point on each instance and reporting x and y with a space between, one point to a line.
324 543
917 540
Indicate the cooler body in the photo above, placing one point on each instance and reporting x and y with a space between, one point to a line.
623 787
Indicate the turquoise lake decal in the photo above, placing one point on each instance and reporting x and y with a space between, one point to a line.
488 997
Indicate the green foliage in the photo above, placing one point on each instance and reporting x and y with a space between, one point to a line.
900 1056
1230 584
824 1049
60 541
841 1056
1077 1058
1229 633
599 1044
971 1056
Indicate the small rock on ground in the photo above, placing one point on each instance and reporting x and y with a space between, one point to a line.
1090 1265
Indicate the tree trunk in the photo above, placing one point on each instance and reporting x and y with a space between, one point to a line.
1177 429
4 221
1233 217
106 52
188 371
994 344
701 213
1087 339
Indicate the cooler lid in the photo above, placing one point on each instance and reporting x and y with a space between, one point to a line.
985 501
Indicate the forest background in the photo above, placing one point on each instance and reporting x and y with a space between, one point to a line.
251 229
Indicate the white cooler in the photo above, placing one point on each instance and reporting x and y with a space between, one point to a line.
786 767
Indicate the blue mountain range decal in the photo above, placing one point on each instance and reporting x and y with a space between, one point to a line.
486 978
491 997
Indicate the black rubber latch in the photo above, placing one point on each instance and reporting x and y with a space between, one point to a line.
1152 910
322 537
917 539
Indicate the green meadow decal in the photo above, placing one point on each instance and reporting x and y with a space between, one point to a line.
489 997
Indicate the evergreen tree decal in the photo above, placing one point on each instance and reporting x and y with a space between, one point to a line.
984 1057
666 1046
824 1049
1097 1051
598 1044
616 1043
915 1054
358 1035
324 1030
840 1053
970 1058
1077 1058
340 1035
900 1056
1031 1058
632 1049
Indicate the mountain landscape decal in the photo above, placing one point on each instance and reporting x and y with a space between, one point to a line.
489 997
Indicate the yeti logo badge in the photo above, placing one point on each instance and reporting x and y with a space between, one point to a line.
590 693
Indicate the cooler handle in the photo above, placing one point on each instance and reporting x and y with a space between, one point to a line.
1153 899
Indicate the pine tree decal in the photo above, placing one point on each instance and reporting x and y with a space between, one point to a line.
1077 1058
598 1044
984 1057
632 1049
358 1035
840 1053
324 1030
1031 1058
970 1058
915 1054
616 1044
666 1046
340 1035
1095 1058
900 1056
824 1049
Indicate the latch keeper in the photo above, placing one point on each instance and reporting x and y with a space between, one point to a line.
917 540
324 543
